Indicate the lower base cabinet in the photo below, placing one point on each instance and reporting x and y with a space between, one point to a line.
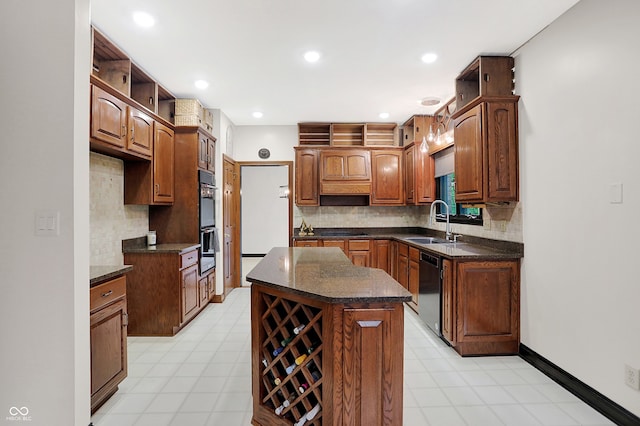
108 331
165 291
481 306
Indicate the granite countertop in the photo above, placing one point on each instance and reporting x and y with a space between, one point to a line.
162 248
325 274
468 248
101 273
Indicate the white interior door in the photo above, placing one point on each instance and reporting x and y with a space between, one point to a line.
265 213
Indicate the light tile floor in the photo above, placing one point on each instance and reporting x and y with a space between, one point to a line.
202 377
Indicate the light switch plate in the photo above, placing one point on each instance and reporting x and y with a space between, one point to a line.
615 193
47 223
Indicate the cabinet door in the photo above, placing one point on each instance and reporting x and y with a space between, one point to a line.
372 359
345 165
488 302
414 274
448 297
388 178
469 155
108 350
403 270
203 153
382 255
163 170
211 280
211 155
203 291
360 258
425 183
307 178
189 283
502 151
409 175
108 118
140 137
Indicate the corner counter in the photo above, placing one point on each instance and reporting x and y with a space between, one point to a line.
327 340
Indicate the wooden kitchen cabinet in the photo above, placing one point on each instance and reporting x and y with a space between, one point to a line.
414 129
359 252
152 183
381 257
162 290
336 242
419 175
307 243
206 152
387 187
486 132
486 151
345 172
108 119
481 306
140 137
307 177
180 223
410 173
413 279
408 271
108 334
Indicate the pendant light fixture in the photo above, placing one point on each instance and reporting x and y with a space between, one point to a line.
424 146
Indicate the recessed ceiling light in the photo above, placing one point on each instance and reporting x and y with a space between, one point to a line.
257 114
201 84
430 101
143 19
384 115
312 56
429 58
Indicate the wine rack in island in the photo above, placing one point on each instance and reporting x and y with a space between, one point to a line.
291 380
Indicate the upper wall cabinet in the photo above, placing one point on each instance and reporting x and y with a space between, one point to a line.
112 66
348 134
486 133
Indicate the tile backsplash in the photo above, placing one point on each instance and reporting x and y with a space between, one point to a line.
501 222
110 219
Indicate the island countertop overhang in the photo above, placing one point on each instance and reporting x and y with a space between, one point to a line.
325 274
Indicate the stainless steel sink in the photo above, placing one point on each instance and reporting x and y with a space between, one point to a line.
426 240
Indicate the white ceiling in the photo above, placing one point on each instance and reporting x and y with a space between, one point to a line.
251 51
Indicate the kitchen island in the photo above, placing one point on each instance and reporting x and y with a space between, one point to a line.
327 340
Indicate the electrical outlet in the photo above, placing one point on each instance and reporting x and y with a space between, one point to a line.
632 377
501 225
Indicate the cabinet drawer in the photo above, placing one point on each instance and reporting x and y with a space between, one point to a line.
306 243
106 293
403 250
188 259
358 245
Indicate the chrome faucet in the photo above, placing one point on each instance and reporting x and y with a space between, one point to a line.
432 216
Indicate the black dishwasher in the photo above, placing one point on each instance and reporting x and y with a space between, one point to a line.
430 290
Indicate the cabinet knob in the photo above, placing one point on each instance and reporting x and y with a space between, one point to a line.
124 130
133 133
107 293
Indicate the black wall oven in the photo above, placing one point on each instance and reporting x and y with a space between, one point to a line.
207 219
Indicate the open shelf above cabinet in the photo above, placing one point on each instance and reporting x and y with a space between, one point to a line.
485 76
113 66
348 134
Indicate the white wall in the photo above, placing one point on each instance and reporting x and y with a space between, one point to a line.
280 140
265 216
44 165
578 135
